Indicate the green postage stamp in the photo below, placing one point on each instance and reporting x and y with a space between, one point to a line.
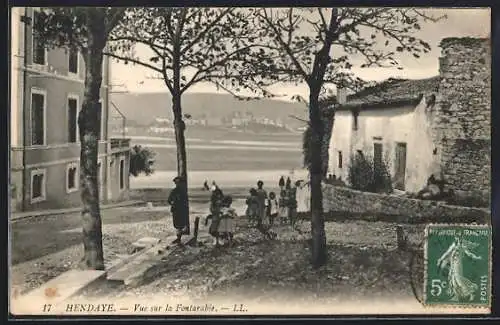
457 265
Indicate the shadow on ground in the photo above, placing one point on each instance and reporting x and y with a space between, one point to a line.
259 269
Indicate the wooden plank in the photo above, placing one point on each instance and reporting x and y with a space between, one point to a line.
149 260
132 264
120 262
124 260
60 288
146 242
196 229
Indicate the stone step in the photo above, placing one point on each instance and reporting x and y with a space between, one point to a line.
133 269
145 242
136 261
136 265
55 291
139 247
150 260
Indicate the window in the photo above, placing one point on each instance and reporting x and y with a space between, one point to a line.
37 185
38 104
99 171
101 120
72 118
122 174
72 177
377 153
400 166
377 157
39 50
73 61
100 179
340 159
355 125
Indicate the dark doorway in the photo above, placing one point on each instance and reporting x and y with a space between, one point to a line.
400 166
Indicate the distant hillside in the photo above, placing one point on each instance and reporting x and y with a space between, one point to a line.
143 108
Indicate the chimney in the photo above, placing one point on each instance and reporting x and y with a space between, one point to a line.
341 95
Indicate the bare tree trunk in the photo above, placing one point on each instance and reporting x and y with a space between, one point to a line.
89 127
180 139
179 124
328 120
319 251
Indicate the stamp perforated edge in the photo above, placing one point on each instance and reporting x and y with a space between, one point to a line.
452 306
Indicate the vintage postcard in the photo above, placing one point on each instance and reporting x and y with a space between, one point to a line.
250 161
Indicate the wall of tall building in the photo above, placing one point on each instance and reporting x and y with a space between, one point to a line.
52 157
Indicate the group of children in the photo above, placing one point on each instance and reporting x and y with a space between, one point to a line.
265 210
222 216
262 210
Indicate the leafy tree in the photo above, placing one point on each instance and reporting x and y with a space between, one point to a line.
328 118
188 46
85 29
141 161
318 46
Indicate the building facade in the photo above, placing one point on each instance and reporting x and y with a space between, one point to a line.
422 127
46 90
388 124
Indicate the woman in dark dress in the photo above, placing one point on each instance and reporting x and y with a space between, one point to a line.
178 206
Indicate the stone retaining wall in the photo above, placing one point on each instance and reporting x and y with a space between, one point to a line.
343 202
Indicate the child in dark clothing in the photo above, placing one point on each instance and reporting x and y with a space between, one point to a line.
252 211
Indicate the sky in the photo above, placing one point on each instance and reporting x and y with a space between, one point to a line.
473 22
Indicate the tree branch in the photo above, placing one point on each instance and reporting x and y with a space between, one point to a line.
117 14
168 22
299 119
206 30
285 46
321 59
149 43
138 62
323 19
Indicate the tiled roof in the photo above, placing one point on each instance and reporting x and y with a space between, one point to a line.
392 92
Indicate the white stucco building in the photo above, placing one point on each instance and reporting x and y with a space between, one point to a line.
390 122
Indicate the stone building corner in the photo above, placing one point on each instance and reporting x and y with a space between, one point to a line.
462 128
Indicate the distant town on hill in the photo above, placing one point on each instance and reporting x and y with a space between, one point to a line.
153 110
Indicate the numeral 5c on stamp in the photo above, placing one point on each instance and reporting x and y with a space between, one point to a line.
458 265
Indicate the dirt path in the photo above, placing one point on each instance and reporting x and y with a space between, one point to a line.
363 261
40 236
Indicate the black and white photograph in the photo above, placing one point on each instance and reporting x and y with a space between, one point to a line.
245 161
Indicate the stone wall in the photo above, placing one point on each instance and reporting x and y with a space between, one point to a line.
339 202
463 118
